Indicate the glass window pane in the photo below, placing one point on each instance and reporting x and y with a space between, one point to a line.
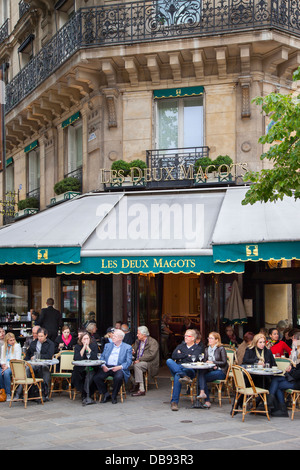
70 294
89 307
193 123
168 124
14 297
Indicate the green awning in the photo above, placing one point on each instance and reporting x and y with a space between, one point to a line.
178 92
149 264
31 146
70 120
47 255
256 252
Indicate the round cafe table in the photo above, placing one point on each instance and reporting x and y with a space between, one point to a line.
198 366
88 364
262 371
43 362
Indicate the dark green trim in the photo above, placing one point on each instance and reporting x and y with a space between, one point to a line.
70 120
31 146
256 252
178 92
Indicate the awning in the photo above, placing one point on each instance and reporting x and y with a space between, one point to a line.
258 232
53 236
154 232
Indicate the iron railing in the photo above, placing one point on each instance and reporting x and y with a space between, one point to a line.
23 8
4 31
176 162
150 20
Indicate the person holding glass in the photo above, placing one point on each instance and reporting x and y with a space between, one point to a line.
10 350
186 352
84 350
215 353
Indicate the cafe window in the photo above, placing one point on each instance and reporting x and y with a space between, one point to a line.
13 298
179 122
79 301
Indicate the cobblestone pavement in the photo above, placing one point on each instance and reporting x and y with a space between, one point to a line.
141 423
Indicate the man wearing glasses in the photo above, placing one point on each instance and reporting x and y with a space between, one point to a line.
187 351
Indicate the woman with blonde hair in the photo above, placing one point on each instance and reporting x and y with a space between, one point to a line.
10 350
215 353
258 353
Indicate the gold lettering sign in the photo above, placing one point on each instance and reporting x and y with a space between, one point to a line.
251 250
42 254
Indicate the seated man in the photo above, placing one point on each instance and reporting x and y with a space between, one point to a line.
129 336
183 354
118 358
146 353
45 347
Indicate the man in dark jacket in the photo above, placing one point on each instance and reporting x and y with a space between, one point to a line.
45 348
183 354
51 319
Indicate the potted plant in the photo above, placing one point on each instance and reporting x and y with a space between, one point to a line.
137 168
223 165
122 167
27 206
66 189
202 167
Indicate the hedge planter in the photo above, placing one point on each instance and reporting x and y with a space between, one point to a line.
67 196
26 212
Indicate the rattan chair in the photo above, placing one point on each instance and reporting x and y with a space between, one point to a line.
109 383
295 396
19 377
219 384
65 372
146 378
192 386
249 393
282 363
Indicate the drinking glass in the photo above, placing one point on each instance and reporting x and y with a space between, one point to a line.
193 358
88 355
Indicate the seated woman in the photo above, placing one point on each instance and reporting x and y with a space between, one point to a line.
277 346
230 337
85 349
10 350
291 379
215 353
258 353
65 341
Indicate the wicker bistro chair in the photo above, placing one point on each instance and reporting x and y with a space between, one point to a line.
295 396
65 372
192 387
109 382
19 377
146 377
218 384
282 363
249 393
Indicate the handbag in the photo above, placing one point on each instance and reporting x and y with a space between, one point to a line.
2 395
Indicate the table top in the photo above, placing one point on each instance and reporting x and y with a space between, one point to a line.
88 362
263 370
41 362
198 365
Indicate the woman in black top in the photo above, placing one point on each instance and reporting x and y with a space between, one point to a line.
84 347
258 353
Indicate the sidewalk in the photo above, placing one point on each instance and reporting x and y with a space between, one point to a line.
141 423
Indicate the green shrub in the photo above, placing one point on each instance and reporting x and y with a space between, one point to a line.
137 164
29 202
121 165
204 163
67 184
222 160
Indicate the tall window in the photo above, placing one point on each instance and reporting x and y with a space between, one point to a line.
9 178
33 170
4 11
74 143
180 123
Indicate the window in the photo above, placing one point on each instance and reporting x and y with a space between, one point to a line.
33 170
4 9
9 177
74 144
180 123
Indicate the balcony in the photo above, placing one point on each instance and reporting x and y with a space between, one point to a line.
4 31
144 21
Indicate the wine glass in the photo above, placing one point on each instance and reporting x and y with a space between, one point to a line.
88 355
201 357
193 358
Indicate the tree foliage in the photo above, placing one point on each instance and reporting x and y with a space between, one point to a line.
283 179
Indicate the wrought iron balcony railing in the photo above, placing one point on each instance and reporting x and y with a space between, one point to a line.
4 31
23 8
150 20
